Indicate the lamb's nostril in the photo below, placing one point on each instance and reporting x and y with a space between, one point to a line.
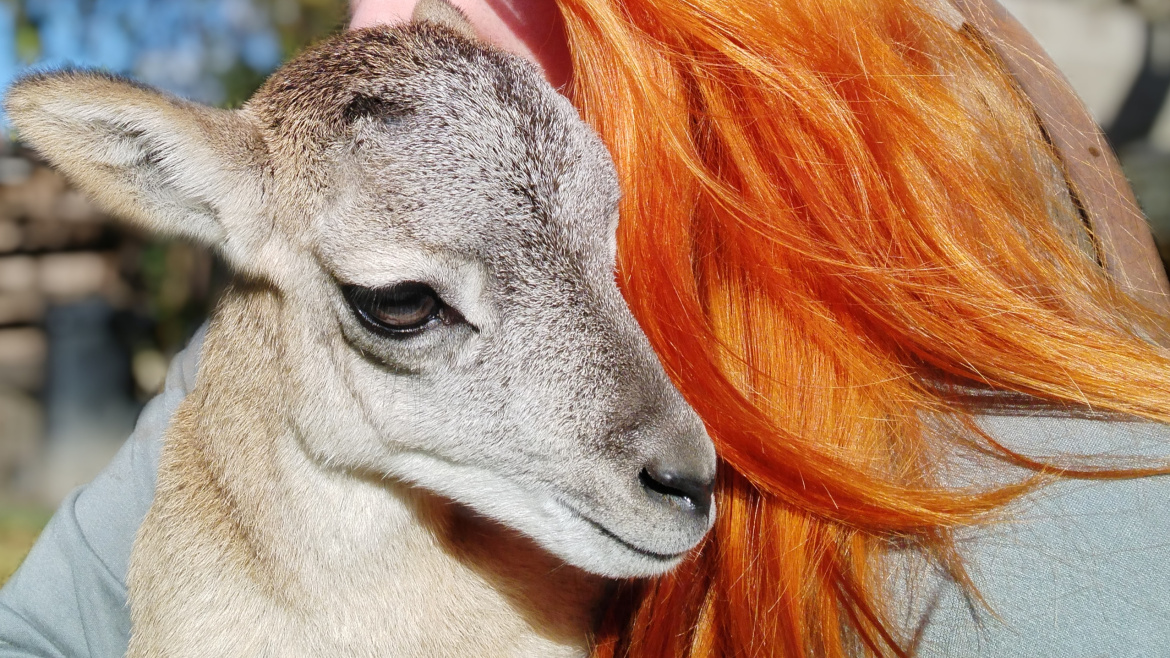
677 486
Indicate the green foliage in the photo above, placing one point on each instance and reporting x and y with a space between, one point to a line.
302 22
28 43
19 528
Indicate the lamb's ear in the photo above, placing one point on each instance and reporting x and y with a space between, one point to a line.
443 13
167 165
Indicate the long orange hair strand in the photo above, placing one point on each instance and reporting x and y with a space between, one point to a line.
841 226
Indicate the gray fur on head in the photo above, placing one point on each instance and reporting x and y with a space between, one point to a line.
416 154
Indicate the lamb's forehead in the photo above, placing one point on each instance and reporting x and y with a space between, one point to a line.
493 190
455 144
420 71
480 170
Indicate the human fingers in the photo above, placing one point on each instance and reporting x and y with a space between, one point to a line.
530 28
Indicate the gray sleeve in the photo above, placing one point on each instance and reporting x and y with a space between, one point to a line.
1078 569
69 596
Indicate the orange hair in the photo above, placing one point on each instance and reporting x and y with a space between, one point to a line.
842 229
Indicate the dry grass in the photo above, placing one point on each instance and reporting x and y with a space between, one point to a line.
19 528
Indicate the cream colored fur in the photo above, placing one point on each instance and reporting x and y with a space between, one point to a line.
329 563
328 489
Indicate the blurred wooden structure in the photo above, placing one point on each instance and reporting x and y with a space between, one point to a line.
61 259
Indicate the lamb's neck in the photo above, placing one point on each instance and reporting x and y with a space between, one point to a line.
365 558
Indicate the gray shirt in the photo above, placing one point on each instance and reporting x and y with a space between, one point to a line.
68 598
1079 569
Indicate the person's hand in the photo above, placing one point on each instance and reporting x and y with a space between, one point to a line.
530 28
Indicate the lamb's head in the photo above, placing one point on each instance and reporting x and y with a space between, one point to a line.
439 225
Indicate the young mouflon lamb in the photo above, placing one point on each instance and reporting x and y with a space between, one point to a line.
425 421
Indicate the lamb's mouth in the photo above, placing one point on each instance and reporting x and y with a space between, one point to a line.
554 521
665 558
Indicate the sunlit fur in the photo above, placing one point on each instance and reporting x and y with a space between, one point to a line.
326 489
841 224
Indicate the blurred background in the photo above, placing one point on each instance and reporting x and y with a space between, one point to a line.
90 314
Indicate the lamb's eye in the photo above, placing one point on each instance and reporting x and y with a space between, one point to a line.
398 311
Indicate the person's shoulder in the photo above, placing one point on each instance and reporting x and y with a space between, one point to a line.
1078 568
69 596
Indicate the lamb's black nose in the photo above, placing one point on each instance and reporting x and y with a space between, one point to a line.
679 487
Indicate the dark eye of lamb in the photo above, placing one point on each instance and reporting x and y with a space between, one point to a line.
398 311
